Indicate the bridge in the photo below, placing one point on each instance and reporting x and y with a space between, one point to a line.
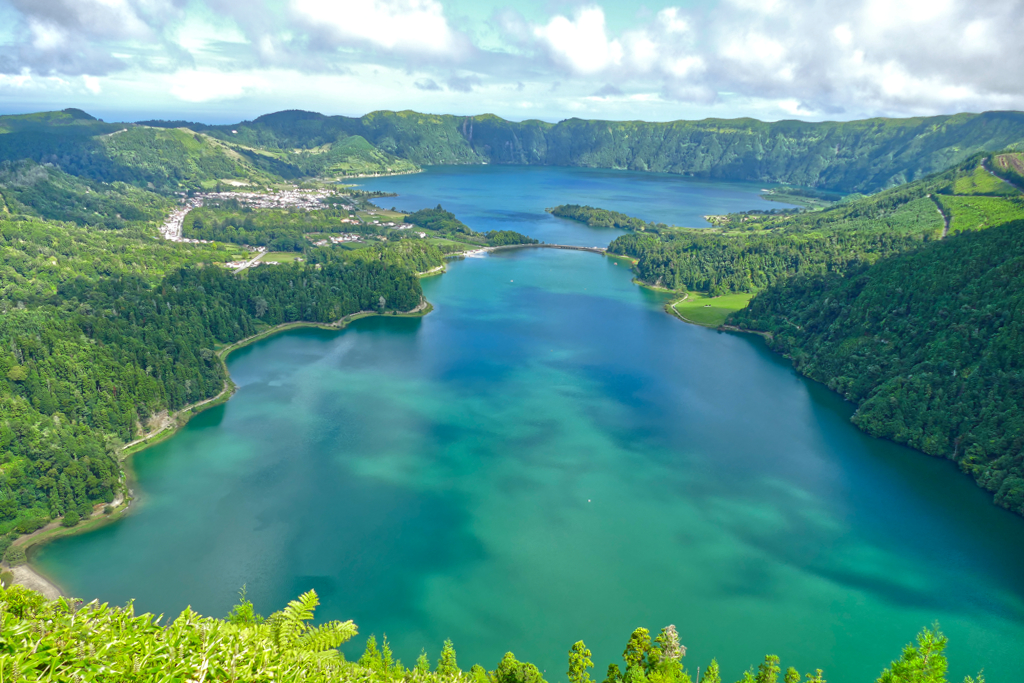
596 250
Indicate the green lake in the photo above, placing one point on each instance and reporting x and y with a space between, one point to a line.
549 457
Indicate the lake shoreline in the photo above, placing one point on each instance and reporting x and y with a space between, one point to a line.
31 576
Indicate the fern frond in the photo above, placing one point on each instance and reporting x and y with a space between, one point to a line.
327 637
288 625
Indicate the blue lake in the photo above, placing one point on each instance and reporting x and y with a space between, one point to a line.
549 457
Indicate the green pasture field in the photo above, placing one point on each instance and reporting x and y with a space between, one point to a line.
701 309
281 257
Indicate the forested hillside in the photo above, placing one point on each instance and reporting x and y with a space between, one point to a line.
64 640
928 344
860 156
748 252
160 159
102 330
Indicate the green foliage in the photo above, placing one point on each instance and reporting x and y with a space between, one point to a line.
416 255
499 238
50 193
63 640
15 555
923 663
637 648
979 213
440 221
712 675
511 670
926 343
751 251
70 519
579 662
851 156
602 218
447 667
103 330
244 614
277 229
769 670
982 182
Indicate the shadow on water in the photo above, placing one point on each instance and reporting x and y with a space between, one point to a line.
921 508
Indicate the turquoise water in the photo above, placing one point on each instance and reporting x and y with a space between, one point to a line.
549 457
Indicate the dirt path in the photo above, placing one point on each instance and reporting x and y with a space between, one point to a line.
172 419
945 218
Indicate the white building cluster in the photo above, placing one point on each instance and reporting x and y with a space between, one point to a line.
307 200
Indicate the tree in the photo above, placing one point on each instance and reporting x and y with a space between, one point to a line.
637 648
244 614
371 658
387 658
711 674
422 662
635 655
613 675
792 675
665 658
579 662
478 674
446 665
511 670
925 663
71 518
768 671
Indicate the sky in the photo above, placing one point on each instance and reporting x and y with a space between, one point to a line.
221 61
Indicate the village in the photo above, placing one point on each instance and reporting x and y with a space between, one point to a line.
306 200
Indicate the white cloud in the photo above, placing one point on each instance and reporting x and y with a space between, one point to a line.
46 36
417 26
208 86
807 58
581 43
92 84
672 21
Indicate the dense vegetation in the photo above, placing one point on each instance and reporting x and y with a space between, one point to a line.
29 188
64 640
928 344
103 330
277 229
504 238
153 158
748 252
858 156
440 221
602 218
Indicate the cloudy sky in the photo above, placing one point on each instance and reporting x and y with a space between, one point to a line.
227 60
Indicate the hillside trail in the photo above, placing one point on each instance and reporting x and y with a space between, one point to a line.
945 218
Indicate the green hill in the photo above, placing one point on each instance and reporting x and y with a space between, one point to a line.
928 344
849 156
748 252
